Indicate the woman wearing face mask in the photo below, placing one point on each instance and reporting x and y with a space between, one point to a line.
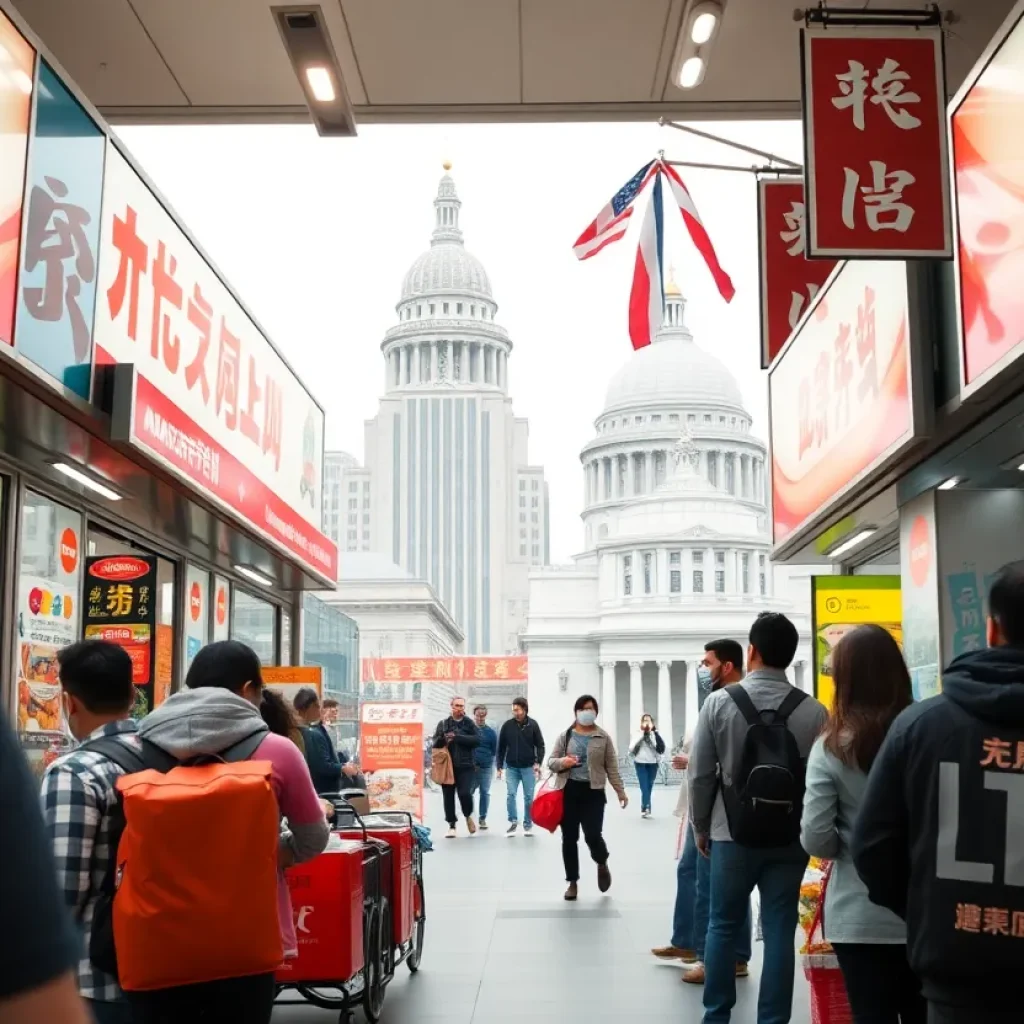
584 762
647 749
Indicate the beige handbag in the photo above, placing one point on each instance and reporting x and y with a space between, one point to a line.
441 770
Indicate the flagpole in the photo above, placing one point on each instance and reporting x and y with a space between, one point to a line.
731 167
770 157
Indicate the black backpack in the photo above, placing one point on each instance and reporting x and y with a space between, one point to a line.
765 800
130 759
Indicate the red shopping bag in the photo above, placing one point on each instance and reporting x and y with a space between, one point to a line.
547 806
829 1001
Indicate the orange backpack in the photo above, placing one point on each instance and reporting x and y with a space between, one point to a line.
194 887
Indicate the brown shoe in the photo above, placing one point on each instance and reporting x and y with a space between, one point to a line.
471 825
675 953
571 893
695 975
604 877
742 971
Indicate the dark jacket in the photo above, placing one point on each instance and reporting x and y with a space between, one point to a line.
323 759
467 737
938 839
520 745
483 755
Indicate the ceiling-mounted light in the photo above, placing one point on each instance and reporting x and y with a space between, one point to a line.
83 478
696 35
850 543
948 485
254 575
320 84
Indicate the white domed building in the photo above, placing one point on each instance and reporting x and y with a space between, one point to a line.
676 545
447 488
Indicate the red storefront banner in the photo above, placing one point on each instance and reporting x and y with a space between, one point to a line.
425 670
877 170
988 158
391 756
789 280
840 401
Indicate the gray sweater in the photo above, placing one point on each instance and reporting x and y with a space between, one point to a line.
719 737
834 793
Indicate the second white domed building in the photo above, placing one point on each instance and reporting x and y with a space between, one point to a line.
676 548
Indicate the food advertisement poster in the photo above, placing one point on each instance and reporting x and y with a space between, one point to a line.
920 594
221 609
391 756
988 165
197 612
48 620
163 664
840 605
120 607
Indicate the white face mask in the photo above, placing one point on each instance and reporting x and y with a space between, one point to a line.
586 718
704 676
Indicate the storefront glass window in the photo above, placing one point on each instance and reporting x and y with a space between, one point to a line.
48 619
197 612
252 622
330 639
286 637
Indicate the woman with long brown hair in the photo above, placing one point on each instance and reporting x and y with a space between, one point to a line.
872 686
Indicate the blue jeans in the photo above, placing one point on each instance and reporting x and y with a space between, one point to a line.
693 903
513 776
778 874
482 778
646 774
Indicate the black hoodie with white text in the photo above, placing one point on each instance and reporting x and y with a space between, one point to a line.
939 837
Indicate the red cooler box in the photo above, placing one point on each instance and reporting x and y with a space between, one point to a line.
327 902
398 835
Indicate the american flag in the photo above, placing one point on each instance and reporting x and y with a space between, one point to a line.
647 296
611 223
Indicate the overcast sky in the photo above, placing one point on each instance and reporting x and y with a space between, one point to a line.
316 236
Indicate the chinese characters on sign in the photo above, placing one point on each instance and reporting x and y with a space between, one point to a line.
120 607
875 135
470 670
212 400
789 281
968 615
840 393
391 753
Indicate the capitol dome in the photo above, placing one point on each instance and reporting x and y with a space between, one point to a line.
446 267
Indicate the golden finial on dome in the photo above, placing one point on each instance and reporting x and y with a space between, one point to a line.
447 165
672 288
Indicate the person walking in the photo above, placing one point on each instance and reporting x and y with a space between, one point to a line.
722 665
584 762
520 755
646 751
752 740
872 686
483 762
461 737
79 794
938 837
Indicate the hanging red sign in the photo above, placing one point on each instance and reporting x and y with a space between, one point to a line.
789 280
877 170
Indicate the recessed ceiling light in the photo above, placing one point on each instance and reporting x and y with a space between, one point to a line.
702 28
948 485
848 545
691 73
254 575
79 476
320 84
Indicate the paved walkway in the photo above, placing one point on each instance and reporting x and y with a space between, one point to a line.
502 945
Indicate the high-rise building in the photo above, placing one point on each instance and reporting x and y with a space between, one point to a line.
455 500
348 502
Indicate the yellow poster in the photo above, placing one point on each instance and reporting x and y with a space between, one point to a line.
841 604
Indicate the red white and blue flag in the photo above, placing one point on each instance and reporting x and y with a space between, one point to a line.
611 223
647 296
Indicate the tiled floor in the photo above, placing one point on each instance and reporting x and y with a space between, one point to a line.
502 945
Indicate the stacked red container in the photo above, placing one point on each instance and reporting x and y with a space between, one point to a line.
399 837
327 903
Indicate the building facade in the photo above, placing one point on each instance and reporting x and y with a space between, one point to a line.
448 491
676 545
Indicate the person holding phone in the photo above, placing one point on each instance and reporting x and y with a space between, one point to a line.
647 749
584 762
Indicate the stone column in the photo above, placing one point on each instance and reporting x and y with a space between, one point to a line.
609 699
691 698
649 473
636 694
664 715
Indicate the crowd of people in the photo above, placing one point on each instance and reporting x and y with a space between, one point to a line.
918 807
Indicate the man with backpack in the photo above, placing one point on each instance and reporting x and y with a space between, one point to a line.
746 786
79 797
938 836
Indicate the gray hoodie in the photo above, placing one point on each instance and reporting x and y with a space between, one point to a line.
209 720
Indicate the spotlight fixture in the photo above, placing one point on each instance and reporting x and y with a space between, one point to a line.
948 485
696 36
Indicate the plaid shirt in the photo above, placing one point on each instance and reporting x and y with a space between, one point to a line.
78 796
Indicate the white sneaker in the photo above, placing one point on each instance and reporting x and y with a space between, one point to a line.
451 833
528 831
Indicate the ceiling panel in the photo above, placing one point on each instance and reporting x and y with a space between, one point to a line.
592 51
411 52
105 49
